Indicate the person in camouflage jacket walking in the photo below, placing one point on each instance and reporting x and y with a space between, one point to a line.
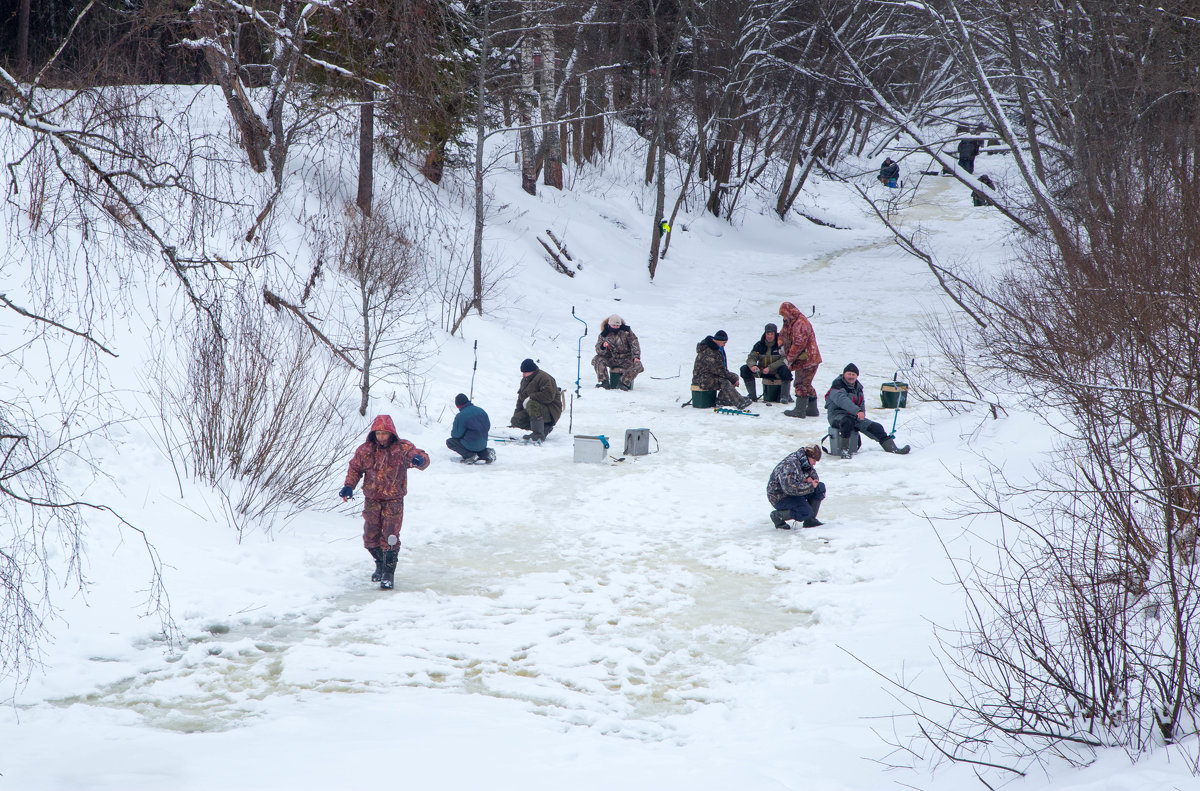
795 490
617 348
382 463
711 371
799 344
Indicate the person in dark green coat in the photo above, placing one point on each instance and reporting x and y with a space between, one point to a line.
539 405
469 434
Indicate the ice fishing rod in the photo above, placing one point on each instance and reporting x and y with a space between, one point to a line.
474 368
896 381
578 369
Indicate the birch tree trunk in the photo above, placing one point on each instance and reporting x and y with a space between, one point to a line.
551 150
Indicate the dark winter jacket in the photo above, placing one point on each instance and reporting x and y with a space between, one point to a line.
541 387
797 338
968 148
383 469
471 427
792 477
623 347
889 170
711 369
844 399
764 354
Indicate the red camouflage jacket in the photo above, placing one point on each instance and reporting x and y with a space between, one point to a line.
384 470
797 338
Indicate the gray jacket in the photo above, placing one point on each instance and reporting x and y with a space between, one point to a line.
844 399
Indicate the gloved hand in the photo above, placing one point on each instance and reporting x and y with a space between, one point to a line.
418 460
346 493
525 404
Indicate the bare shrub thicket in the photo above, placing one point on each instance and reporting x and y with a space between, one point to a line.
261 417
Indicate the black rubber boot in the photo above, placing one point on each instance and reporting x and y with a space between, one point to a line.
752 389
889 445
537 430
387 579
812 407
798 410
779 518
812 521
377 553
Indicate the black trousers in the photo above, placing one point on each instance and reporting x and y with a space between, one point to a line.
848 423
461 449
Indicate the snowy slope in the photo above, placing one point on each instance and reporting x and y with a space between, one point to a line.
634 624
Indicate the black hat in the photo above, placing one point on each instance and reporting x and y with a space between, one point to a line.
720 335
461 400
851 368
528 365
771 328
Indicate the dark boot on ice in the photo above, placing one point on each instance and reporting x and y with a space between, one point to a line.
537 430
812 521
744 403
470 459
377 553
785 397
387 580
779 518
889 445
489 455
812 407
799 410
751 389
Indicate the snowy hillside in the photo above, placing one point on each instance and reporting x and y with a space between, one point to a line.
635 623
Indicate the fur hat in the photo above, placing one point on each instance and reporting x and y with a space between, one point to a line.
528 366
851 368
615 321
770 328
720 335
461 400
813 452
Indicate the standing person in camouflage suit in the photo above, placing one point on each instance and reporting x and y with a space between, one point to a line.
538 403
766 360
799 344
382 464
795 490
711 371
617 347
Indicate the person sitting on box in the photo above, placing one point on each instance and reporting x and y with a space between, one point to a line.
846 408
766 359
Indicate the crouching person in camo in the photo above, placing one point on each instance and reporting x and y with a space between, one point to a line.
382 464
846 408
795 490
539 405
711 371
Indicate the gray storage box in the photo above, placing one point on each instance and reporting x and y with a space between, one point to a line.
835 442
637 441
591 449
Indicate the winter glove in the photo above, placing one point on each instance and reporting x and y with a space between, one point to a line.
525 405
347 492
418 460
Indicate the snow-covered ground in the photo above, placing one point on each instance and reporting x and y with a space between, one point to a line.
631 624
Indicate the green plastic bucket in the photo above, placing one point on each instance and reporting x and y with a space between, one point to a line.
772 393
703 399
614 377
894 394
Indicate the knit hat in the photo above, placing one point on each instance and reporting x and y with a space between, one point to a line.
771 328
851 368
720 335
528 365
813 452
615 321
461 400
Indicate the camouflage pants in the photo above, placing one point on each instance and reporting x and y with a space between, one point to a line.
728 395
629 369
382 518
804 380
520 418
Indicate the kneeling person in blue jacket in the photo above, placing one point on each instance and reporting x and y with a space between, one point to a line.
469 434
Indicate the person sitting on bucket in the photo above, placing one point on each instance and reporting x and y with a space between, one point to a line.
711 371
766 360
795 490
617 348
538 404
846 408
889 173
469 434
382 464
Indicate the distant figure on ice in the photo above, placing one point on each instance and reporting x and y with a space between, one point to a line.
469 434
846 409
617 349
968 149
799 344
766 360
382 464
977 197
889 173
795 490
711 371
539 405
